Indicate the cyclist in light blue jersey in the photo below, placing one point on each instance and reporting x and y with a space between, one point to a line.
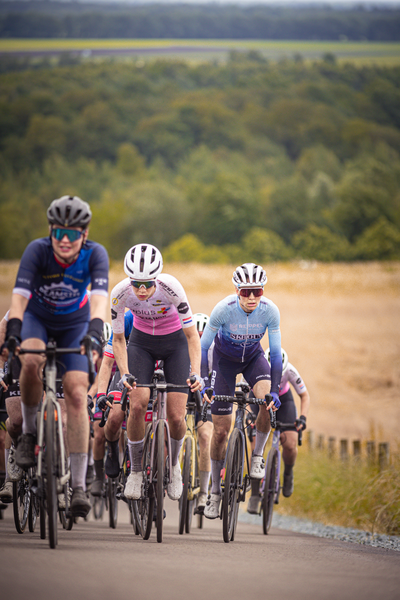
238 323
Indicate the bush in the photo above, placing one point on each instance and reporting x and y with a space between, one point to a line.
320 243
381 241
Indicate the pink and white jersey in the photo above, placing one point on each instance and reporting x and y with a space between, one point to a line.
167 310
291 375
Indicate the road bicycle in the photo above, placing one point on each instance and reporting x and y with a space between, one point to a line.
235 483
25 502
270 486
52 474
113 488
189 459
156 461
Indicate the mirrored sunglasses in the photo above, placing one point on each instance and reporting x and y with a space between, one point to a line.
72 234
147 284
245 292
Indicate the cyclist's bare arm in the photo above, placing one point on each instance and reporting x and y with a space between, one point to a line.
18 306
304 403
194 348
105 374
121 355
98 306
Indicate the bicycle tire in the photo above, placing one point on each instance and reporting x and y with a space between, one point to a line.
183 501
112 485
233 476
146 503
268 498
160 462
21 503
135 516
51 481
42 518
34 510
98 505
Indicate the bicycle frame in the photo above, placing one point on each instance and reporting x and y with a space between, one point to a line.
160 420
241 398
192 435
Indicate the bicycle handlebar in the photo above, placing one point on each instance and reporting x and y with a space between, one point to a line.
105 414
290 427
157 385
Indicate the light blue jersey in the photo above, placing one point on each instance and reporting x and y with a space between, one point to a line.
238 334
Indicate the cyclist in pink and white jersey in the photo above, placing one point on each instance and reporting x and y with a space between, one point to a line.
163 330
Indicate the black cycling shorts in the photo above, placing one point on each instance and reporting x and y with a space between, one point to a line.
145 349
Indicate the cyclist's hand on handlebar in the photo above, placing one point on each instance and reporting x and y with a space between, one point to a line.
300 423
2 382
103 402
12 345
124 383
275 402
197 385
208 394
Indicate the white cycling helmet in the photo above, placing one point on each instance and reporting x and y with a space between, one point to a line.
285 359
200 320
107 329
249 275
143 262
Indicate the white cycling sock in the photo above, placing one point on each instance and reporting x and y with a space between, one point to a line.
261 440
216 467
135 454
204 477
29 418
176 445
78 469
90 457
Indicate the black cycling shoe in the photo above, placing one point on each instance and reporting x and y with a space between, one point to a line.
80 505
25 453
288 485
112 461
96 488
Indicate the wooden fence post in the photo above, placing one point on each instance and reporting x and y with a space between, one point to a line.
371 452
383 455
331 446
357 449
344 449
310 440
321 442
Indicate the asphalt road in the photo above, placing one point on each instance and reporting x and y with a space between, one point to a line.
94 562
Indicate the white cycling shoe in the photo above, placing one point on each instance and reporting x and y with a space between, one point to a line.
133 487
174 489
15 472
257 470
211 510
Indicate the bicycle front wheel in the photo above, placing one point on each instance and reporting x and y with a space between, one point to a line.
34 509
51 472
21 502
233 478
183 501
160 462
270 483
146 503
112 485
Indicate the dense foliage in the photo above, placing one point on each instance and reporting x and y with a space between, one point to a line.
38 19
208 161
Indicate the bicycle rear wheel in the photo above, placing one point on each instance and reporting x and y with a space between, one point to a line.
233 476
112 485
183 501
34 509
160 462
146 503
21 502
271 474
51 472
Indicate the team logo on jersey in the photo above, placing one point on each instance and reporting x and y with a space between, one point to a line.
164 310
113 314
100 281
157 302
115 301
60 292
183 308
233 326
166 288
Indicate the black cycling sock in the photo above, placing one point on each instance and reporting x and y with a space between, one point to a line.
113 448
99 469
288 469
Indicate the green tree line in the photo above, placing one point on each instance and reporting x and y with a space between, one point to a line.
78 20
208 161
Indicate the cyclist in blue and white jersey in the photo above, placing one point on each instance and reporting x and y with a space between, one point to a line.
163 330
287 413
50 300
238 323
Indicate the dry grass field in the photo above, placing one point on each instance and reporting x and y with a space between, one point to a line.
340 327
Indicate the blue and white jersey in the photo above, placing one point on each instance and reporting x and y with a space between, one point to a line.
57 293
238 334
128 326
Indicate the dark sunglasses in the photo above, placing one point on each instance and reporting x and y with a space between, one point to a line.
147 284
245 292
72 234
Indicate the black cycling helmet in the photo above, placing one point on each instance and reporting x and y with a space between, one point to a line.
69 211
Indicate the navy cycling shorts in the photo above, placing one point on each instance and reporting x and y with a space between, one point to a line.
286 413
145 349
67 337
224 375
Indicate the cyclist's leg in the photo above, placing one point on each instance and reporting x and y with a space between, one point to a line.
112 432
254 500
204 433
287 414
98 454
